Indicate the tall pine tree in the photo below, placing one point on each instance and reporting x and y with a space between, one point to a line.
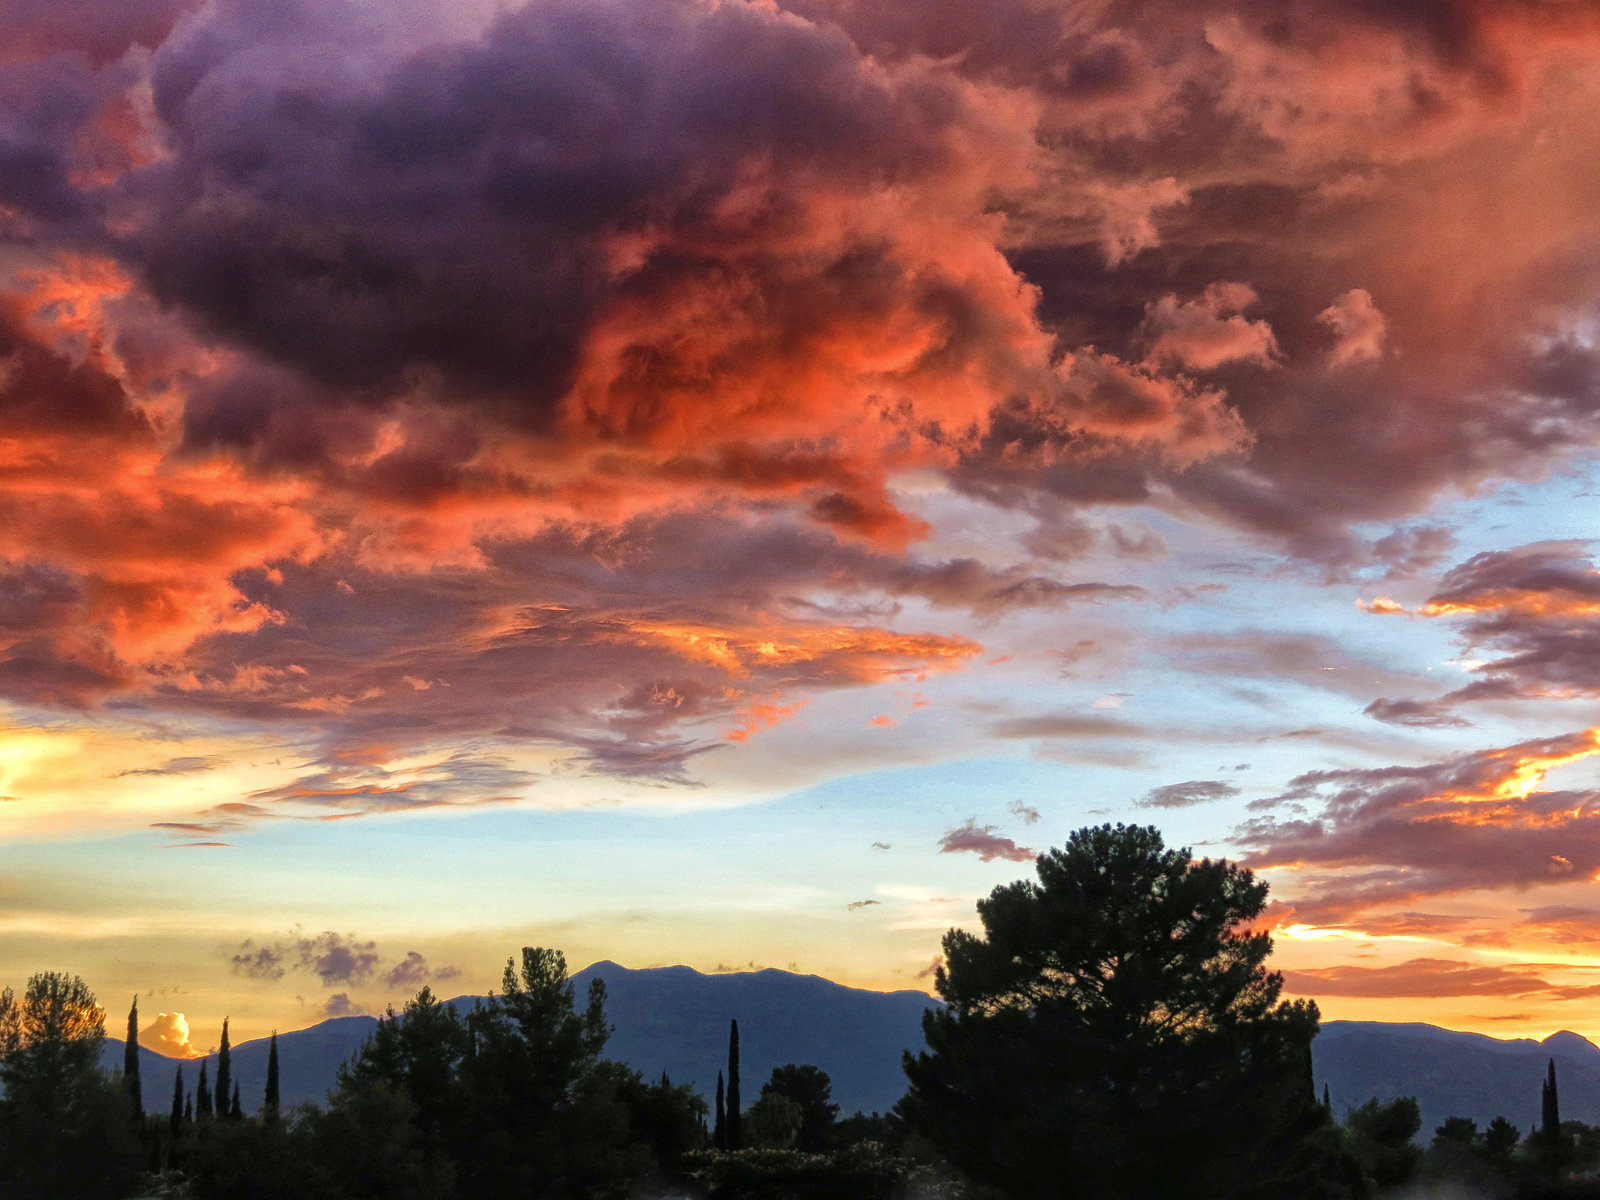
175 1120
130 1062
269 1107
733 1088
202 1097
224 1072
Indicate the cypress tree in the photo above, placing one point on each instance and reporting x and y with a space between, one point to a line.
202 1097
1327 1102
719 1131
269 1109
188 1109
734 1140
224 1072
1550 1117
175 1121
235 1113
130 1062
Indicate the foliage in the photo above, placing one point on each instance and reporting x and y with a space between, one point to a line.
863 1172
65 1130
772 1122
1381 1139
514 1095
811 1089
1114 1032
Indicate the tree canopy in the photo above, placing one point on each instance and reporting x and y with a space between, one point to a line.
1114 1031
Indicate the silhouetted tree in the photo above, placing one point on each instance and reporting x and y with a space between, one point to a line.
1113 1032
731 1130
269 1106
719 1131
224 1073
64 1129
811 1089
235 1113
188 1109
1381 1137
514 1096
1500 1139
1550 1119
175 1118
130 1062
1457 1131
202 1096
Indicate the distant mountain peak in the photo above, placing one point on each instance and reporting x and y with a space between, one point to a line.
1566 1042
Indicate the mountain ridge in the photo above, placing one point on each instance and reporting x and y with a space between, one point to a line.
675 1020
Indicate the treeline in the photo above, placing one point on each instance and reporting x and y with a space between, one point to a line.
1112 1032
511 1099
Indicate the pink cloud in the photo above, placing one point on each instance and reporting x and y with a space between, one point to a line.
983 841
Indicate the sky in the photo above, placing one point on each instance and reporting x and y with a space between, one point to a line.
727 482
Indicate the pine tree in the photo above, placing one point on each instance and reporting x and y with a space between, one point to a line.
188 1109
130 1062
733 1087
269 1108
719 1131
175 1121
235 1113
202 1097
224 1072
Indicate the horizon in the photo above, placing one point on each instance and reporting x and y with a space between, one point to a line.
195 1054
730 483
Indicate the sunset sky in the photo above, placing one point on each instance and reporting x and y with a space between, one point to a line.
726 482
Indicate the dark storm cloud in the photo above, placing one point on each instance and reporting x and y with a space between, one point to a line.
548 376
454 208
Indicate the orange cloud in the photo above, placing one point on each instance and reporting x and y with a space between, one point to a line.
169 1034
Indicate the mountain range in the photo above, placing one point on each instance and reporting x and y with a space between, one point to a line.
675 1020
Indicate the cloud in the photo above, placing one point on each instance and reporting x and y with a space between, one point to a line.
413 971
1386 836
1536 609
335 959
1182 795
352 347
1358 325
183 765
1065 725
1421 977
1025 812
1205 333
854 905
169 1034
984 842
340 1005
